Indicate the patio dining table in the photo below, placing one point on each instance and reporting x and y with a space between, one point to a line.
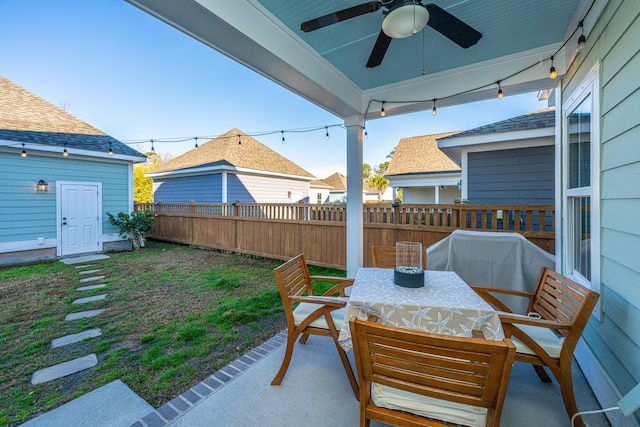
444 305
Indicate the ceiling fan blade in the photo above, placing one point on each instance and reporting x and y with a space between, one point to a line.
451 27
379 50
340 15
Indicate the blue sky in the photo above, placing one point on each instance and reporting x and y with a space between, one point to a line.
136 78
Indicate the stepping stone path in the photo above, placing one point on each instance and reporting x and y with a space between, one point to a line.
87 272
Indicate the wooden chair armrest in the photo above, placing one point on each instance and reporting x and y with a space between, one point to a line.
328 301
338 288
518 319
486 293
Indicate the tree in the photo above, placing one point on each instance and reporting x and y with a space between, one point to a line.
382 168
366 170
379 182
142 186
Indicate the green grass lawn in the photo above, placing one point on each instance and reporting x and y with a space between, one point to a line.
174 315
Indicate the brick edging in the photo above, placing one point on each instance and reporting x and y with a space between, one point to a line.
177 406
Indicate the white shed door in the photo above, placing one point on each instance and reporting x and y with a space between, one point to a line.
79 218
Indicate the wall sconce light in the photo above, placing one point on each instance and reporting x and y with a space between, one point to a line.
43 187
460 185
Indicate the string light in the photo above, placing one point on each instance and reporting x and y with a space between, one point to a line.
196 138
239 140
110 150
500 94
433 110
366 135
283 140
153 150
327 132
582 39
382 113
65 153
24 152
552 71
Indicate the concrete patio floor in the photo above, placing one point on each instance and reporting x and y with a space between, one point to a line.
316 392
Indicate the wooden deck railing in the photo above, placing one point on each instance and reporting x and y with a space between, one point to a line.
283 230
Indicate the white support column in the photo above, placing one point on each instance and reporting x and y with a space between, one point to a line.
355 232
437 194
224 186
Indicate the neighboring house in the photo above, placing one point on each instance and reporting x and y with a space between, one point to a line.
338 192
233 166
508 162
425 174
52 205
319 192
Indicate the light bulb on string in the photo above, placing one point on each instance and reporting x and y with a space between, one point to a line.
382 113
500 93
239 140
65 153
552 71
153 150
196 138
582 39
24 152
366 135
110 150
327 132
434 111
283 140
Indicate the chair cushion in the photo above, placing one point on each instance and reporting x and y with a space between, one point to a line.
304 309
452 412
545 337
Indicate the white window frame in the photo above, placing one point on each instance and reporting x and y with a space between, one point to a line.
589 87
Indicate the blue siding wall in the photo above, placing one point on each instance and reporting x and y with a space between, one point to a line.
523 175
201 189
26 214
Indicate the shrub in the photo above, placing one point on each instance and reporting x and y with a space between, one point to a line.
133 227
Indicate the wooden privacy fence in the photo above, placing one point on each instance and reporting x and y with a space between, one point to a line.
281 231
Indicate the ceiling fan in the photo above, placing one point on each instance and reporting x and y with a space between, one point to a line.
403 18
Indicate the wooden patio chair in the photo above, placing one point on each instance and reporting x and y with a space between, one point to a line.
416 378
312 315
385 257
558 311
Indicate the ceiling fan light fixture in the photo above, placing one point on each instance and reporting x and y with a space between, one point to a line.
405 20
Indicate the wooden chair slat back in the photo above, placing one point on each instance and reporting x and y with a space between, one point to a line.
465 370
385 257
560 299
292 278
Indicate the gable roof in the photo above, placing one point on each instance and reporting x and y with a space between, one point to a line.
318 183
337 181
27 118
226 149
545 118
420 154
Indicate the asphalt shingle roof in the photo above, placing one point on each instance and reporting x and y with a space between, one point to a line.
420 154
226 150
27 118
536 120
337 181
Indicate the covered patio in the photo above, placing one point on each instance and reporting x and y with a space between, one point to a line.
585 49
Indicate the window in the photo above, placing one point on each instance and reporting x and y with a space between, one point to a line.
319 198
580 189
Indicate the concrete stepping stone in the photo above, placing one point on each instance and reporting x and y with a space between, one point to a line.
83 314
88 288
64 369
83 266
84 273
89 299
73 338
91 279
112 405
85 258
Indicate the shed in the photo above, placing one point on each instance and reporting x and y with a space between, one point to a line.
60 176
233 166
